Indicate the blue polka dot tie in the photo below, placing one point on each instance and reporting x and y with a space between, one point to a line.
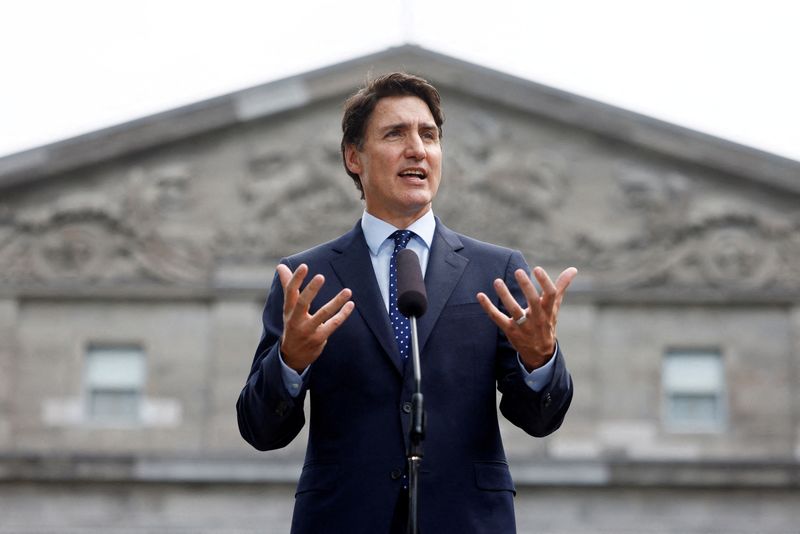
400 323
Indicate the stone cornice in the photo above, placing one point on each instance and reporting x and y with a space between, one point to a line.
711 473
257 292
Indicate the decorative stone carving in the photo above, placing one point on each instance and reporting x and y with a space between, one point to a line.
102 237
14 260
512 203
789 255
167 247
176 259
498 187
296 197
661 199
730 253
74 250
154 197
650 227
472 146
69 240
526 181
737 257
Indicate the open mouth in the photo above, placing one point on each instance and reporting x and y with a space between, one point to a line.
414 172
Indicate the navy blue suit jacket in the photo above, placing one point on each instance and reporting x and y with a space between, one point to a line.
360 391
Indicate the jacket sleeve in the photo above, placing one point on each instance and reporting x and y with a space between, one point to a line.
269 417
538 413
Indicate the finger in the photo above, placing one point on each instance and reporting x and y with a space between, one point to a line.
297 277
528 289
329 327
511 305
290 283
565 279
309 293
326 312
562 283
548 289
284 274
499 318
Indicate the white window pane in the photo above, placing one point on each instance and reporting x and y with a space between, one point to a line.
115 378
115 405
115 368
694 390
693 373
694 410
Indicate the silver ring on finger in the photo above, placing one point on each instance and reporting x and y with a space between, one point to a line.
522 319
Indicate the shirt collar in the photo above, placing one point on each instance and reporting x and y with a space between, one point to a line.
376 231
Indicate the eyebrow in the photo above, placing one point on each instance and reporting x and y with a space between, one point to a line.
406 125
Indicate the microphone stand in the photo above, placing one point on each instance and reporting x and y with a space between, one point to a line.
416 434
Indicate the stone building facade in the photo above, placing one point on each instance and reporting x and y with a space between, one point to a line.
134 262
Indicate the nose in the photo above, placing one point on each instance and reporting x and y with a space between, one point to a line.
415 148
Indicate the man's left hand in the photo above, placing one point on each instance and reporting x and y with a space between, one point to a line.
533 337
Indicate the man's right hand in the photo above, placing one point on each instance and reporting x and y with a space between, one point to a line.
304 335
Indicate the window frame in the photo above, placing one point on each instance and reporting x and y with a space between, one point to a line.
90 389
677 425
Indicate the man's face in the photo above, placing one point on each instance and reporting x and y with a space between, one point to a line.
400 163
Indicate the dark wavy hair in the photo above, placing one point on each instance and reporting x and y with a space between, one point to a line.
359 107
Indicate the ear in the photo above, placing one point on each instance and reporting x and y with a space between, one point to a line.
352 158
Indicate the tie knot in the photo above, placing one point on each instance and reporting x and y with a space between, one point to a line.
401 238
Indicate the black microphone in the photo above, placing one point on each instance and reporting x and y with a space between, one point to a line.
412 300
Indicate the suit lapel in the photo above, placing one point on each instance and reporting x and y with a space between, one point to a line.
444 271
354 268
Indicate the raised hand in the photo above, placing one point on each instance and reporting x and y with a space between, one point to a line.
305 335
532 331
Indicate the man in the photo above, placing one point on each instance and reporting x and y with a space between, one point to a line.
339 337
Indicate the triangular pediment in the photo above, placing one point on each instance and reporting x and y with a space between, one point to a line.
208 197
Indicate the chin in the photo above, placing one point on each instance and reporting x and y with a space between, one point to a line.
417 204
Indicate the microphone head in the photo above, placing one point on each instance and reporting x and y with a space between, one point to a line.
412 300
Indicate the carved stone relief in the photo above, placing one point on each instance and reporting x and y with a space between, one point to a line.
525 180
696 240
105 236
660 199
167 247
737 256
497 186
152 197
731 253
71 250
292 198
501 183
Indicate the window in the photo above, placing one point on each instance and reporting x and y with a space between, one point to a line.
114 383
694 390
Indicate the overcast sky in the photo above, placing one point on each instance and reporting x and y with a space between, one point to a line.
728 68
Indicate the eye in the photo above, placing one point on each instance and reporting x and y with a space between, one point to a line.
393 133
430 134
